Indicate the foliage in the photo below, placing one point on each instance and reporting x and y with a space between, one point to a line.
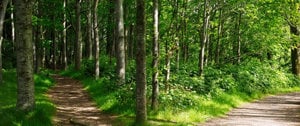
44 109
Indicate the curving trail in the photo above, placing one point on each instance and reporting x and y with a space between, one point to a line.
74 106
280 110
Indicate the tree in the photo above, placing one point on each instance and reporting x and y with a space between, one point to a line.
295 52
24 48
141 110
204 34
78 44
64 48
89 45
3 6
96 36
155 61
120 44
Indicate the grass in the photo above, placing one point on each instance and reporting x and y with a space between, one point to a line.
184 104
44 109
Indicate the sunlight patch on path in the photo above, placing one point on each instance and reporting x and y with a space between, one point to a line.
74 106
281 110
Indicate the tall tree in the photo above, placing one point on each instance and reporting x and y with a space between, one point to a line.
24 48
64 37
204 34
3 6
120 43
141 105
96 37
78 44
89 45
295 52
155 61
38 42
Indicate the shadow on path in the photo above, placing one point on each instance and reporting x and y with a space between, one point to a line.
281 110
74 106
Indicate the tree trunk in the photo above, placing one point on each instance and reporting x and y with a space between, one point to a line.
89 46
155 61
12 25
39 50
130 42
120 42
168 66
78 45
237 45
96 41
204 34
295 52
220 30
141 105
64 48
24 48
54 47
3 6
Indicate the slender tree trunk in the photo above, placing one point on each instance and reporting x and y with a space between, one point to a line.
64 47
237 45
204 34
89 47
220 30
168 66
141 105
25 88
295 52
155 61
12 24
54 47
78 46
130 42
38 47
3 6
96 41
120 42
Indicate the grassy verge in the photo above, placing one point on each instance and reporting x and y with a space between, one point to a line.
192 99
44 110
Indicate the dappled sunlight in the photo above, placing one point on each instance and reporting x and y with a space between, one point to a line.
73 104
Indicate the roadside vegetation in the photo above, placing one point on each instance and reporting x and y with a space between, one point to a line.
44 109
191 99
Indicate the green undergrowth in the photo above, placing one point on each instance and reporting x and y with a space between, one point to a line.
191 99
44 109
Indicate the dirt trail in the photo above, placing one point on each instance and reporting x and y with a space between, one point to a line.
281 110
74 106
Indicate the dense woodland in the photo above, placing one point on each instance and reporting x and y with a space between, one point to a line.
154 58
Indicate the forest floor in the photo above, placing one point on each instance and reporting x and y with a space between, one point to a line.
74 107
279 110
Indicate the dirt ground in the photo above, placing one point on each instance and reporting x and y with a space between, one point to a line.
280 110
74 106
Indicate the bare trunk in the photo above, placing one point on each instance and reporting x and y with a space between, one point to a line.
38 48
12 25
96 41
220 30
155 61
204 34
295 53
141 105
89 46
78 46
24 48
120 42
237 45
3 6
64 48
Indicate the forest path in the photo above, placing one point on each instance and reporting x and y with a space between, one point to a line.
74 107
279 110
